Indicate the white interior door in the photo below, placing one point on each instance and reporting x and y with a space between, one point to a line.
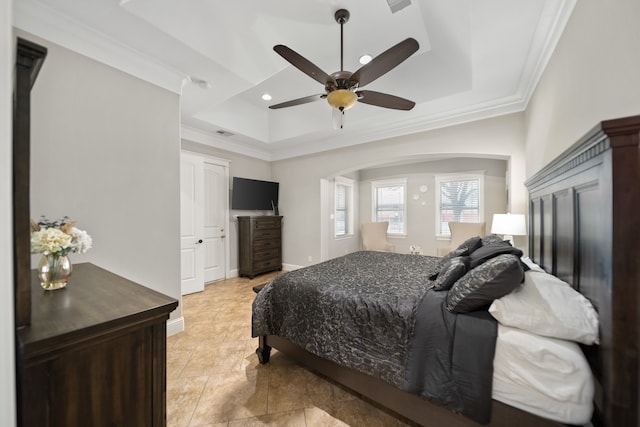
191 224
215 206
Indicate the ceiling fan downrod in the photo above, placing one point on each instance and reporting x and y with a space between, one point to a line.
342 17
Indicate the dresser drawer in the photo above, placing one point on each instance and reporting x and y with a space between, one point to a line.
267 254
272 263
266 223
260 245
266 234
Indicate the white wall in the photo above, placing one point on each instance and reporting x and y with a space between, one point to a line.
593 75
501 137
7 326
105 150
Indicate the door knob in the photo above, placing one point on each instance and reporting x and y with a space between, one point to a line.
199 241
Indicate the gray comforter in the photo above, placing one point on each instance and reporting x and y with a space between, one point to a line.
375 312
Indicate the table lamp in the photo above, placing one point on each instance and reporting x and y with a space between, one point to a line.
509 225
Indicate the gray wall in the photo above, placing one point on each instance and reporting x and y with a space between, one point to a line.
500 138
105 150
421 219
7 327
593 75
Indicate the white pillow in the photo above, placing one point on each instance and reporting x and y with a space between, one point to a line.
553 374
532 265
547 306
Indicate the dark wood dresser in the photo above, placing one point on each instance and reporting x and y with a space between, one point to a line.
94 353
260 244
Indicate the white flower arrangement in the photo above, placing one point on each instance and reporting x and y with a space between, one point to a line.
58 237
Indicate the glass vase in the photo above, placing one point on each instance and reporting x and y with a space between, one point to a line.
54 271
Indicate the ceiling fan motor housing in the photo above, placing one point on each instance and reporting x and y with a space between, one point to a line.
341 80
341 90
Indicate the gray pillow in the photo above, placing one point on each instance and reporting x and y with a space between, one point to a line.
481 285
451 270
458 252
465 248
492 250
491 238
473 243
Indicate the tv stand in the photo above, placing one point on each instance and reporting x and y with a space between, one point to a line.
259 245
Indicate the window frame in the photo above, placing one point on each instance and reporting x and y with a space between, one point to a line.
439 179
348 183
374 202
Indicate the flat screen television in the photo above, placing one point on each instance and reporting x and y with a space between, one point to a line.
252 194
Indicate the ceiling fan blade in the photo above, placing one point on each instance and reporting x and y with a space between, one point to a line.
384 100
298 101
385 62
303 64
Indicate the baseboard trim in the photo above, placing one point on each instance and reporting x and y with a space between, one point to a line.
291 267
285 267
175 326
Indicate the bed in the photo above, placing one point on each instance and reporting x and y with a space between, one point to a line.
583 229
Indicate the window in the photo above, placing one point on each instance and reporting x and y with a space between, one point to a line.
389 204
343 207
460 199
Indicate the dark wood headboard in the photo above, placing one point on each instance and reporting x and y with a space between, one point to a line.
584 227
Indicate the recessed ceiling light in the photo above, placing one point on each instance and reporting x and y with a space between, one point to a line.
365 59
266 97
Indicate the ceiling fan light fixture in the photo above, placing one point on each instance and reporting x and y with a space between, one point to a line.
342 99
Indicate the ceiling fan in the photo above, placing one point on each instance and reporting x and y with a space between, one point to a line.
342 88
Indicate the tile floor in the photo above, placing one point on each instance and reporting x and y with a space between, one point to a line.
214 378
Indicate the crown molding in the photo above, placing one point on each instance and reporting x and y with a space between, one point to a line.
43 21
454 117
202 137
547 45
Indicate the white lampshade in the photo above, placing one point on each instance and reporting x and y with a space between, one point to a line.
509 225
